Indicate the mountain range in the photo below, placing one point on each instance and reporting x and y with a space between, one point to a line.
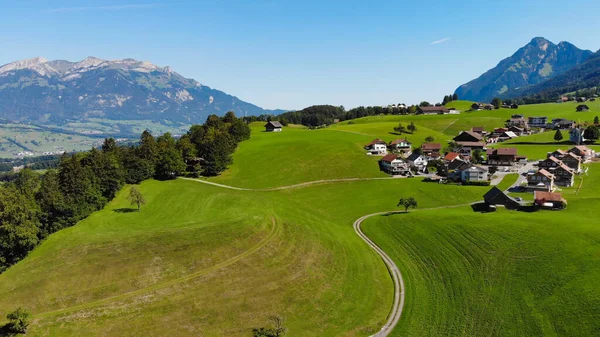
42 91
537 62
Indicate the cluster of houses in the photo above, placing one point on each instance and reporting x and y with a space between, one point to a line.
559 169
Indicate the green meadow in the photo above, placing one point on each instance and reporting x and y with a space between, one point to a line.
204 260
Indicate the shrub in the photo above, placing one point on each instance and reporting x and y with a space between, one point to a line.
18 321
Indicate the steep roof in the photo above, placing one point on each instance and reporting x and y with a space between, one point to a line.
553 159
458 165
375 141
431 146
546 174
503 151
398 141
451 156
565 167
509 134
414 156
473 134
547 196
571 155
389 158
478 129
472 144
275 124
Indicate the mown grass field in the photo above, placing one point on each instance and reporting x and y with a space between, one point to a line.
207 261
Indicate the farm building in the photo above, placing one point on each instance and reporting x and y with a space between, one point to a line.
504 157
549 200
468 136
432 110
496 197
582 108
377 147
273 126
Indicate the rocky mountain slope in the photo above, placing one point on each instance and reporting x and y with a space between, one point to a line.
534 63
38 90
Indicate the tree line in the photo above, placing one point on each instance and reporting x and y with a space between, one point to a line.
33 206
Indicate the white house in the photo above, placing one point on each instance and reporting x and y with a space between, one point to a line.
377 147
392 164
418 161
474 173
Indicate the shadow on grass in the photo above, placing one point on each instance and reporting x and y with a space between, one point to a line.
482 207
394 213
123 210
7 331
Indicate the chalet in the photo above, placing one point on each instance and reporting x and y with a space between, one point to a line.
550 163
417 161
455 168
572 161
507 135
582 108
564 176
497 197
582 151
392 164
557 153
541 180
504 157
497 132
466 148
400 144
581 99
563 123
518 122
451 156
576 135
549 200
273 126
431 149
517 130
432 110
468 136
376 147
474 173
481 106
479 129
538 122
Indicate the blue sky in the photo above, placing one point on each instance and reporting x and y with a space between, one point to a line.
291 54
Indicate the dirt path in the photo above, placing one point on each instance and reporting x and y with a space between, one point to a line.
316 182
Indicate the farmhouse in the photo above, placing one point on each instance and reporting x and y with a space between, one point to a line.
581 99
507 135
451 156
392 164
564 175
563 123
496 197
432 110
557 153
504 156
376 147
582 108
479 129
418 161
273 126
401 145
541 180
550 163
571 161
518 130
538 122
455 168
582 151
549 200
431 150
518 122
468 136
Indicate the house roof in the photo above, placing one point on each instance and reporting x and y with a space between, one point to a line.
433 109
472 144
389 158
553 159
538 117
547 196
546 174
398 141
565 167
458 165
472 134
513 127
478 168
275 124
503 151
375 141
414 156
572 155
559 151
581 148
451 156
431 146
478 129
509 134
583 107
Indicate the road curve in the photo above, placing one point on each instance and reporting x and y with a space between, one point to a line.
398 305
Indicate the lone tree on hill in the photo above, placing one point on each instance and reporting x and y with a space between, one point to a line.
596 121
400 128
278 329
558 135
136 197
409 202
592 133
411 127
18 321
429 139
497 103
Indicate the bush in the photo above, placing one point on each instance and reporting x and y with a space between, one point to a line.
18 321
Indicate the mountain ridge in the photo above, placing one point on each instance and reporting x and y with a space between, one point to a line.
537 61
39 90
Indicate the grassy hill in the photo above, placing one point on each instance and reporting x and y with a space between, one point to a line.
209 261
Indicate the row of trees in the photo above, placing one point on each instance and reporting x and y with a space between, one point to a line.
449 98
34 206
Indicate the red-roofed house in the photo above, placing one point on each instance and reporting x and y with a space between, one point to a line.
451 156
549 200
376 147
392 164
431 150
503 156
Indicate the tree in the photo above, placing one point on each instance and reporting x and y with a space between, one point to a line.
277 330
497 102
411 127
400 128
476 157
407 203
424 104
429 139
18 321
558 135
592 133
136 197
596 121
455 97
148 149
109 145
